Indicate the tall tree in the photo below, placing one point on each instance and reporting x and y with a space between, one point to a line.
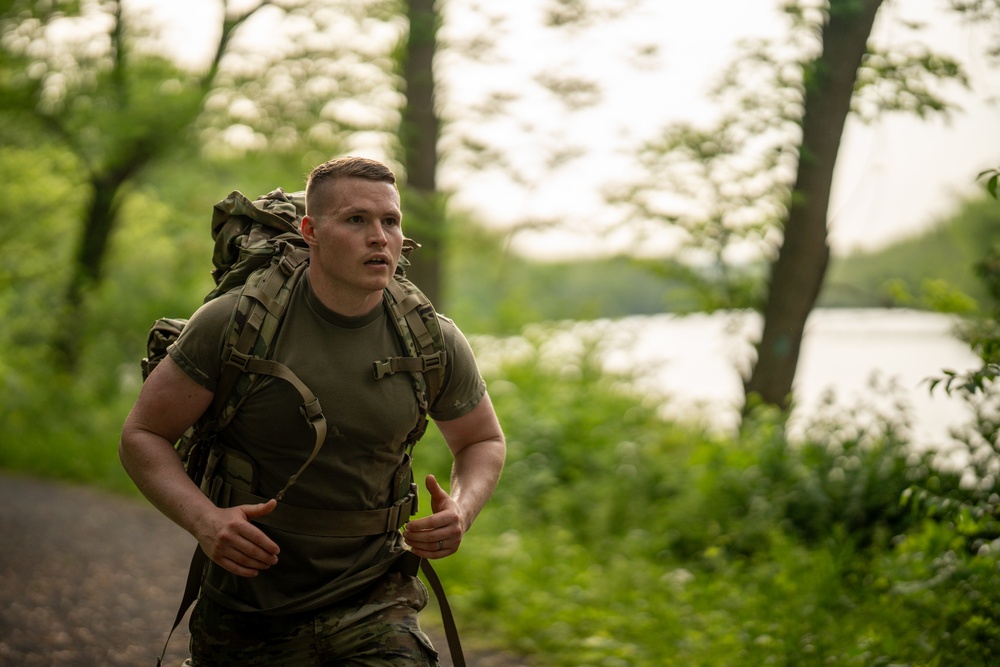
798 271
419 133
463 134
760 179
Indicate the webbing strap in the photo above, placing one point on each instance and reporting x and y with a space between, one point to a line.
409 364
265 299
261 291
447 618
310 407
409 563
195 573
330 523
406 305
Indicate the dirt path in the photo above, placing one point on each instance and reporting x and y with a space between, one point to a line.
89 578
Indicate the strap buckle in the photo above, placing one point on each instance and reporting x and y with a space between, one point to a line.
402 510
421 364
235 358
312 411
433 361
383 368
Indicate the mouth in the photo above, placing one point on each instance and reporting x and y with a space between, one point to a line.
377 261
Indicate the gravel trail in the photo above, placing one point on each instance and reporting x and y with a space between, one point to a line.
89 578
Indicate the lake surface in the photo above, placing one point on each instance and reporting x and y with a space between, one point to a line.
871 357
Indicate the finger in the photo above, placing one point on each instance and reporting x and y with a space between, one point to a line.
243 557
260 509
239 560
438 549
244 542
435 539
236 568
425 524
254 534
253 554
438 494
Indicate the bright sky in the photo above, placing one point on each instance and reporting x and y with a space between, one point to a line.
893 178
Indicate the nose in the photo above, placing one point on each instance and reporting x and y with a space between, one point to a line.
376 235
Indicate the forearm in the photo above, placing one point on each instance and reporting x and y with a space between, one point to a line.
168 404
227 536
157 472
474 476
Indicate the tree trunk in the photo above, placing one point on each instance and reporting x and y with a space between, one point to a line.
798 271
419 131
86 270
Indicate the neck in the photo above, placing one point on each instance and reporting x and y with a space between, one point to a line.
350 303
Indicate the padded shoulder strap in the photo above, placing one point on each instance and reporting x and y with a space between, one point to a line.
252 332
418 327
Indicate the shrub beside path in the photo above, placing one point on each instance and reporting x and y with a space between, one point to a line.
91 578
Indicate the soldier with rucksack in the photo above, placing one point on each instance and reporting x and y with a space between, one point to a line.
305 387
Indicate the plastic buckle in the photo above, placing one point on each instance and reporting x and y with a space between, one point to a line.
382 368
433 361
402 510
285 263
234 358
311 411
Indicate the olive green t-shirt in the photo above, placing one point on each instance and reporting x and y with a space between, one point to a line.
369 419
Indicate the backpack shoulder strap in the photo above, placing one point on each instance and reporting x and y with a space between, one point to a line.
250 337
418 327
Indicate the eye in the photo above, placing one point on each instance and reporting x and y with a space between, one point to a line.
391 222
356 219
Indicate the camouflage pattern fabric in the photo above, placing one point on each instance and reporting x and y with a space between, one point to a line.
375 629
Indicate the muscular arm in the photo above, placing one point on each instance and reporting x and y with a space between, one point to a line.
477 443
168 404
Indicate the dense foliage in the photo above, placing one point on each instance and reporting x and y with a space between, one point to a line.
619 539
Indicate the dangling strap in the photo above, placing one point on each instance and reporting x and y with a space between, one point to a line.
450 629
310 407
195 573
409 563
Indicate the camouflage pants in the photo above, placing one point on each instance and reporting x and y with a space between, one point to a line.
378 628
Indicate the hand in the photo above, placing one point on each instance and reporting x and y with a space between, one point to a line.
439 534
237 545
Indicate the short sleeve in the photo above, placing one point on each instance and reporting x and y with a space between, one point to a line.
463 385
198 350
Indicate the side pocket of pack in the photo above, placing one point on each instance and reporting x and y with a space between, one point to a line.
228 469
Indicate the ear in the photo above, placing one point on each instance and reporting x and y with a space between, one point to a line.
308 228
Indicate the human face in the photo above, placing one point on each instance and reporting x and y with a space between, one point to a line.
355 241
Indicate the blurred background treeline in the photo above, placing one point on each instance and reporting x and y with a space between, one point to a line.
617 536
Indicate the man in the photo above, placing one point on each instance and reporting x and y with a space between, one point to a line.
274 595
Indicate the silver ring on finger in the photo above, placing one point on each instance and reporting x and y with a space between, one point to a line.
440 545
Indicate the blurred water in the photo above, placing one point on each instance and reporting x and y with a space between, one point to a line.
878 358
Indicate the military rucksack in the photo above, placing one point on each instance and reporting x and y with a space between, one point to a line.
260 251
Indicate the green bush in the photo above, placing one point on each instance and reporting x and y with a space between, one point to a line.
617 538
